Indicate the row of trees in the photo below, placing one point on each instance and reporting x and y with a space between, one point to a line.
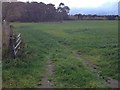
103 17
34 12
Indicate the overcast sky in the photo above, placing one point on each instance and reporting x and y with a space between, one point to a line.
86 6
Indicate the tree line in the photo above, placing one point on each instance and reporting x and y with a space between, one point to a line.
34 12
94 17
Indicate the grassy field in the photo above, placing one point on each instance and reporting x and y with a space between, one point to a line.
96 41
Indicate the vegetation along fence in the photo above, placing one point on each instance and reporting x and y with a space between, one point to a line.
11 41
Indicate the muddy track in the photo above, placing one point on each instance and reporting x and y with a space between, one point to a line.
112 83
45 82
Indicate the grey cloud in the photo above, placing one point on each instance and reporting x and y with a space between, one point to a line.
106 9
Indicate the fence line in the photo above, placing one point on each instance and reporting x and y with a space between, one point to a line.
11 40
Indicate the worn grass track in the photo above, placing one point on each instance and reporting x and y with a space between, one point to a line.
96 41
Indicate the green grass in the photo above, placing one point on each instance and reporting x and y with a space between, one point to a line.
96 40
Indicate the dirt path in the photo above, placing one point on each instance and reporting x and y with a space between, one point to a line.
45 83
95 69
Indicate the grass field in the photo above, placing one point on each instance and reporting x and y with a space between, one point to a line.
95 41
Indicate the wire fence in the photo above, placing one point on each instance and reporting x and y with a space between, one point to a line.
11 41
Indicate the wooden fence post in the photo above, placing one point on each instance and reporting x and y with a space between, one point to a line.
6 37
0 45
